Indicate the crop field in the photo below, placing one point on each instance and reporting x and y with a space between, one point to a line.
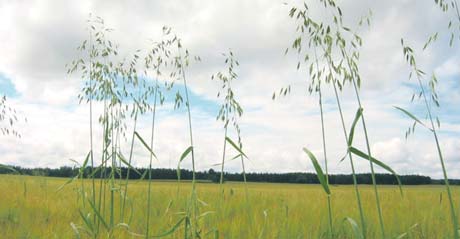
31 207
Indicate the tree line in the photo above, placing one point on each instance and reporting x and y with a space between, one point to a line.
214 176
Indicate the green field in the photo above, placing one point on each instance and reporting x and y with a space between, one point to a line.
31 207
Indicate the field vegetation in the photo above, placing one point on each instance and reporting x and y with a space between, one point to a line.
33 208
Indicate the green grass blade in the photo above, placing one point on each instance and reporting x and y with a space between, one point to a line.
145 144
182 157
379 163
178 172
405 234
86 160
75 161
185 153
82 168
212 231
127 228
235 157
86 221
66 183
358 115
99 216
75 229
172 230
204 214
355 227
123 160
143 175
412 116
319 171
227 160
235 146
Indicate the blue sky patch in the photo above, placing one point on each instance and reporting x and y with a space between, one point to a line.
7 87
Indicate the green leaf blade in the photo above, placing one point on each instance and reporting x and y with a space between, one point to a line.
411 116
363 155
319 171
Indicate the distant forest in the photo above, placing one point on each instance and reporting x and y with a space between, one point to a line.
213 176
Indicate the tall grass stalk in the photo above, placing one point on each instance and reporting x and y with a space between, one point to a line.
354 74
323 137
314 37
136 112
221 180
104 158
335 71
181 62
243 167
158 52
130 77
441 159
106 81
350 157
193 196
409 55
354 42
112 173
323 133
333 44
230 110
93 184
149 194
454 27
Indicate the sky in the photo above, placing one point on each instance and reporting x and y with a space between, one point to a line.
38 38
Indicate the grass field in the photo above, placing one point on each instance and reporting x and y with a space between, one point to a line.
31 207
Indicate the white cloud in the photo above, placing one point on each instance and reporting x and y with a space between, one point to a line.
449 68
38 38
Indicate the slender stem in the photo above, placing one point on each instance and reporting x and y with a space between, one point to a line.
82 193
323 134
136 111
190 128
371 164
244 178
113 171
91 117
193 196
441 159
118 149
355 181
222 167
246 190
103 163
329 207
151 157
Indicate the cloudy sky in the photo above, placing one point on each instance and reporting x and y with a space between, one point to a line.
37 39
